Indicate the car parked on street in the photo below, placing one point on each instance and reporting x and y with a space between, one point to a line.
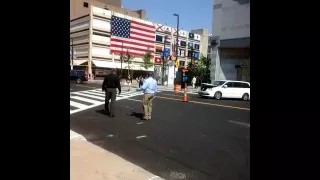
78 76
226 89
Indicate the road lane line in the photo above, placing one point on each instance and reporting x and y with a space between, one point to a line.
87 86
133 99
143 136
240 123
211 104
140 123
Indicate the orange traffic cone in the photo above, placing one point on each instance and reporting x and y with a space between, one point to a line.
185 93
176 88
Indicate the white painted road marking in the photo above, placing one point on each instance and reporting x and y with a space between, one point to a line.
240 123
95 98
139 137
77 105
140 123
133 99
91 96
85 99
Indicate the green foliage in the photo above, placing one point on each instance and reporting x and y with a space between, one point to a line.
201 68
128 59
147 61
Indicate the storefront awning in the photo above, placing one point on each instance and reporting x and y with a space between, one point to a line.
114 65
79 62
103 64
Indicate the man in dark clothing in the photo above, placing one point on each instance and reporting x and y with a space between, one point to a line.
110 84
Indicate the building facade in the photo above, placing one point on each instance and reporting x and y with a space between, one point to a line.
204 40
230 39
90 37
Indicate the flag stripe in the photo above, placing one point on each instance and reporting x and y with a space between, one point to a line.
141 34
132 42
143 24
142 28
140 39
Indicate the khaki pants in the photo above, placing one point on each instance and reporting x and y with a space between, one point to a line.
147 105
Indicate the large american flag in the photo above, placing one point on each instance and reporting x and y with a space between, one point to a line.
136 37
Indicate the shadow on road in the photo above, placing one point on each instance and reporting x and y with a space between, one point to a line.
101 111
135 114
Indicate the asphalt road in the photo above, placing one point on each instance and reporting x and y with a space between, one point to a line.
74 87
200 139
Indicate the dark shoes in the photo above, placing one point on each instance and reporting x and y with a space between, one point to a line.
108 114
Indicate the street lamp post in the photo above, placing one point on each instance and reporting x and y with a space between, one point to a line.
176 44
163 56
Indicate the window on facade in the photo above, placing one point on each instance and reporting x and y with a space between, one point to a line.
158 49
183 43
196 55
85 4
159 38
196 46
190 44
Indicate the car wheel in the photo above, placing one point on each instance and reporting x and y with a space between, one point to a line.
78 81
217 95
245 97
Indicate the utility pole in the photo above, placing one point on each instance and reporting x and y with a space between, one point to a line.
121 59
163 53
176 44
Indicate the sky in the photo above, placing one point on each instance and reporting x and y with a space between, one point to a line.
192 15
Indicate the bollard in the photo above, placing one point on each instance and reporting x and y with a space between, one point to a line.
185 93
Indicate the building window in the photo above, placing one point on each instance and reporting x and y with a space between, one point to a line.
183 43
196 46
159 38
85 4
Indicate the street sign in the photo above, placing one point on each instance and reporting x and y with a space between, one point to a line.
177 63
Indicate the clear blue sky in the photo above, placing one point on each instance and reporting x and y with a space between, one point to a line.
193 14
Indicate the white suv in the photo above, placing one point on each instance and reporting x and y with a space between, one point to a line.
226 89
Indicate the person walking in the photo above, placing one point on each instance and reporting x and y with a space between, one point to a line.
149 88
194 80
110 84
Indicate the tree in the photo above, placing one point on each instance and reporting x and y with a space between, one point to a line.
147 61
201 68
128 59
245 70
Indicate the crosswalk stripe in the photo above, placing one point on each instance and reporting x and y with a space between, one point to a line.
85 99
77 105
93 96
88 95
93 93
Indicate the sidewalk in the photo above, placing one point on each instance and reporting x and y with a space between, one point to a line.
90 162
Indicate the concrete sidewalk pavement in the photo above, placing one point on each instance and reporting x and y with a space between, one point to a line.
90 162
